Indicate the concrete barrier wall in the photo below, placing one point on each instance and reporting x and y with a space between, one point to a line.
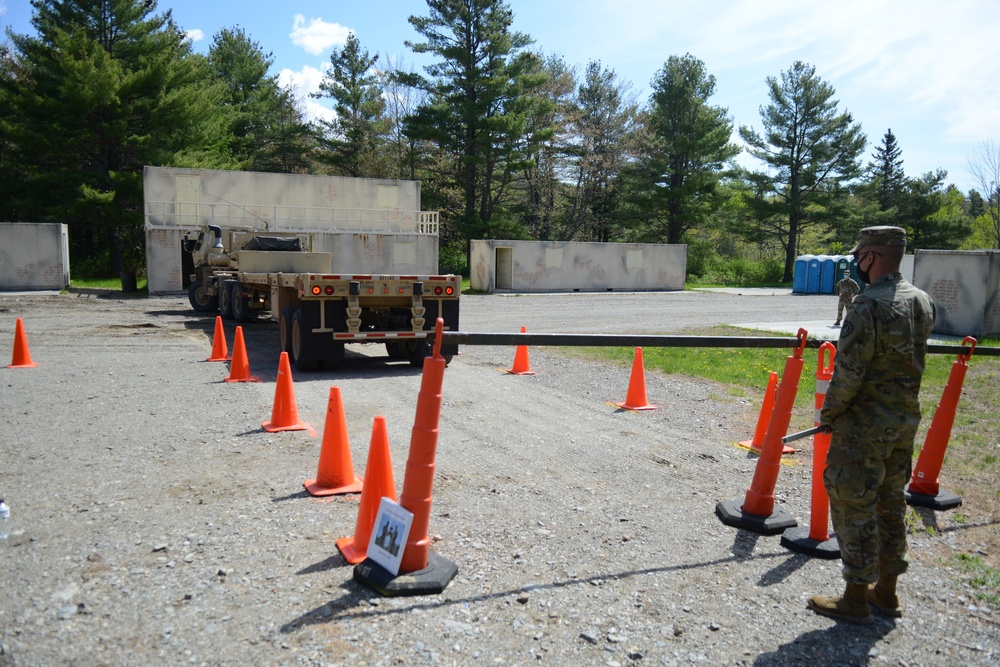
965 286
34 256
497 265
370 226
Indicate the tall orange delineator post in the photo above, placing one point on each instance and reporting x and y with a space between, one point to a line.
22 354
817 541
421 571
924 490
757 512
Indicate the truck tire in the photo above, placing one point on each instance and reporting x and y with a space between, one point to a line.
285 329
241 304
200 299
302 353
226 299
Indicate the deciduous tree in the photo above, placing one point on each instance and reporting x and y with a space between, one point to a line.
984 164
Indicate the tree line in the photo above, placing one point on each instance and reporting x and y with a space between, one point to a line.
507 141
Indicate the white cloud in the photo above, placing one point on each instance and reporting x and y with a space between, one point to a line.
195 35
303 83
317 37
3 7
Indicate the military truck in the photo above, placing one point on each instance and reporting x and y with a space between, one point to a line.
318 310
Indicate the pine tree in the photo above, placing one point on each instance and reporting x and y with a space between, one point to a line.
811 149
481 94
354 140
108 87
887 171
689 147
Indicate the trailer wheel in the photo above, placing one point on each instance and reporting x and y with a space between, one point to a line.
285 328
418 350
300 345
200 299
241 304
226 299
396 349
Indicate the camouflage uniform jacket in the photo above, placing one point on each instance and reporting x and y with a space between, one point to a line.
846 289
873 395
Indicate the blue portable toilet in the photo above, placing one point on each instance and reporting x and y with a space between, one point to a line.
799 275
813 275
827 273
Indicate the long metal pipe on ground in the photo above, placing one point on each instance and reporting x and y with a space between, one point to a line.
644 340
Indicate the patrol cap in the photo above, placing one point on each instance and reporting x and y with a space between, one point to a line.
883 235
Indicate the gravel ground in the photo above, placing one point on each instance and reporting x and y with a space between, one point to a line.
156 523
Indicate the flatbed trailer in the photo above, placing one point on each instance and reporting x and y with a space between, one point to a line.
318 313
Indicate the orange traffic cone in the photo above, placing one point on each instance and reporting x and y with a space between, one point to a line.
22 355
764 416
284 414
239 370
379 483
220 351
521 364
636 397
335 473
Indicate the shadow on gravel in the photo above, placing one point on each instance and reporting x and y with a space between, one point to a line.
330 563
842 644
347 605
782 571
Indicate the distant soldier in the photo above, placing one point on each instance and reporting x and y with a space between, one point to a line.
846 289
872 409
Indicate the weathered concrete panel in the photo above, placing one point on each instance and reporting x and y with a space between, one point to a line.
369 226
34 256
965 285
558 266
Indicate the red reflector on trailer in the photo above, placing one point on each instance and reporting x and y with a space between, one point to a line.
328 289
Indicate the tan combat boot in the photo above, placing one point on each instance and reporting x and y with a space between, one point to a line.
852 606
883 596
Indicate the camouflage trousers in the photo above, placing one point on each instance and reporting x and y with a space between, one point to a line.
844 303
868 511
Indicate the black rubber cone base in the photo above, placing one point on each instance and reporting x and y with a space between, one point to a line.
942 501
731 513
797 539
431 580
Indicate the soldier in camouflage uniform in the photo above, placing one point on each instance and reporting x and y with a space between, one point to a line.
872 410
846 289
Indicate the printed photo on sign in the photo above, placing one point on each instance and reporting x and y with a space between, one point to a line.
392 525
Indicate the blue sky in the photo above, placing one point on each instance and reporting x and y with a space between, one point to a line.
927 69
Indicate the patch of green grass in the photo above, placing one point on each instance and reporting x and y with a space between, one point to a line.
105 283
983 578
972 449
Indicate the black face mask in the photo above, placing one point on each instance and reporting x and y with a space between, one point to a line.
864 273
